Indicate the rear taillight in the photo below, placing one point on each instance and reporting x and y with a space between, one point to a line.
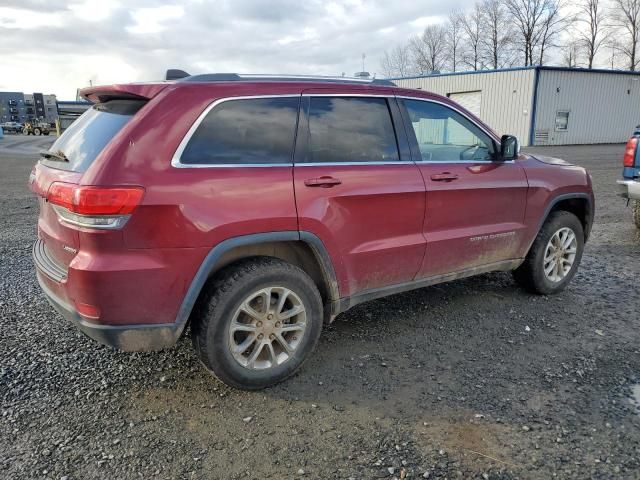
94 207
630 152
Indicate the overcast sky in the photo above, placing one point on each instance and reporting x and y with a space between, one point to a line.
51 47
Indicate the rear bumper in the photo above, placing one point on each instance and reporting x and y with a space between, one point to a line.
129 338
629 189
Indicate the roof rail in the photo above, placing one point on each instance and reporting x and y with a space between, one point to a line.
234 77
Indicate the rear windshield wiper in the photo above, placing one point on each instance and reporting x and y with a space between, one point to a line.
57 156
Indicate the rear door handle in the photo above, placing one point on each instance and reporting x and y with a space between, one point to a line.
444 177
324 182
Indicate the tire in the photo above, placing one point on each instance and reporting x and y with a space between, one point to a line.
636 213
25 131
37 131
218 306
531 274
46 133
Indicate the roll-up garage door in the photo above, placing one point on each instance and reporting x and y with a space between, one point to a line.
472 101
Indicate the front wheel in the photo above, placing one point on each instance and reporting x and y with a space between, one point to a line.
257 322
554 256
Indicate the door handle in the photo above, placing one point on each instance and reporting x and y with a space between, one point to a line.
444 177
324 182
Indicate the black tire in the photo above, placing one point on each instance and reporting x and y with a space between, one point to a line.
221 298
37 131
530 275
636 213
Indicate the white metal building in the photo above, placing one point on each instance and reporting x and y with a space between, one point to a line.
545 105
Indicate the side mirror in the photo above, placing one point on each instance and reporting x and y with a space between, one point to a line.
509 147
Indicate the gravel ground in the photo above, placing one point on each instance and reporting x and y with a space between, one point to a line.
471 379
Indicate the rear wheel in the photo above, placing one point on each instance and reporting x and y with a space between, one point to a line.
37 131
636 213
257 322
554 256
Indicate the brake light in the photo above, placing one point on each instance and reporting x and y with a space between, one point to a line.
98 207
630 152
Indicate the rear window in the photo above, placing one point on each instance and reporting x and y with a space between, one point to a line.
83 141
253 131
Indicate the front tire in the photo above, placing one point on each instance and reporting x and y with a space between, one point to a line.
257 322
554 256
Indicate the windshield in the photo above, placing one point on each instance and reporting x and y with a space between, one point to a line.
81 143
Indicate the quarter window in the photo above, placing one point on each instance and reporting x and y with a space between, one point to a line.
445 135
350 129
245 131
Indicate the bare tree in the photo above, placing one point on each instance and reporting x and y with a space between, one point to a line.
591 33
571 54
472 27
454 38
553 23
539 24
497 37
626 15
528 16
429 49
397 62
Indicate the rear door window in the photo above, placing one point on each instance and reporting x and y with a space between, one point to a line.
83 141
351 130
244 132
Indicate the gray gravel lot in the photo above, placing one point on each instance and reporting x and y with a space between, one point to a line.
443 382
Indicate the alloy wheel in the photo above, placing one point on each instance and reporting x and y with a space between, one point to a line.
560 254
267 328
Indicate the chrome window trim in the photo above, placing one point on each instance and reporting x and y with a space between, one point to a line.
349 164
175 160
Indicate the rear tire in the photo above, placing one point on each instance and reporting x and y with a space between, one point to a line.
240 328
636 213
37 131
554 256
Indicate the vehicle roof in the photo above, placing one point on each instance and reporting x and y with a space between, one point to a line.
151 89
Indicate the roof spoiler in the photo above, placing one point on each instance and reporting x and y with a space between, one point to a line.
130 91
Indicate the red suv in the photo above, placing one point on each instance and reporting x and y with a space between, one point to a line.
256 208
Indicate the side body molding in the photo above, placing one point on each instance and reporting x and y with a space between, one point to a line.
213 257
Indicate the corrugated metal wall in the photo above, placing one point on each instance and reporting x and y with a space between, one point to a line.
506 96
603 107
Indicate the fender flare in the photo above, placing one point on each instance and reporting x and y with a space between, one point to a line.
211 261
568 196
